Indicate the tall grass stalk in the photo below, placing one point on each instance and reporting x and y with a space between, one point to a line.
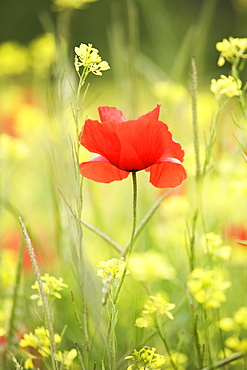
15 295
76 109
163 338
47 313
192 235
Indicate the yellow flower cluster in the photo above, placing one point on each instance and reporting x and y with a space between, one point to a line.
51 287
207 287
146 359
156 305
213 245
228 86
112 269
89 58
66 358
237 325
41 342
231 49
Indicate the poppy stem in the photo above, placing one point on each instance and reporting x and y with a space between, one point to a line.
132 236
131 243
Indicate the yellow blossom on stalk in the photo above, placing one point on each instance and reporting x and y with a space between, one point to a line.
66 358
236 344
213 245
231 49
51 287
39 340
146 359
112 269
207 287
227 324
237 323
226 86
28 364
71 4
88 57
240 317
156 305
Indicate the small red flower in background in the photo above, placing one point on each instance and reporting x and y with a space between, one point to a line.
128 146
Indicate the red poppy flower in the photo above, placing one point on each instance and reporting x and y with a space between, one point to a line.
134 145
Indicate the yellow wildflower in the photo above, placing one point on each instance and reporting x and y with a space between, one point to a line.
226 86
213 245
227 324
240 317
207 287
66 357
112 269
28 364
39 340
236 344
146 359
231 49
156 305
88 57
237 325
51 287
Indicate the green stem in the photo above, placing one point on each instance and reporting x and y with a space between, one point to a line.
207 337
112 335
131 242
102 235
194 92
196 338
226 361
221 334
162 336
145 220
15 295
79 202
42 293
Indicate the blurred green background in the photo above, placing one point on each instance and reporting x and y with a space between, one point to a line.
166 31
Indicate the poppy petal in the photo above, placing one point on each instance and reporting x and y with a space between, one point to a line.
130 145
167 173
111 114
101 170
153 114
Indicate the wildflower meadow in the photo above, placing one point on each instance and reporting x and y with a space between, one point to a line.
123 191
